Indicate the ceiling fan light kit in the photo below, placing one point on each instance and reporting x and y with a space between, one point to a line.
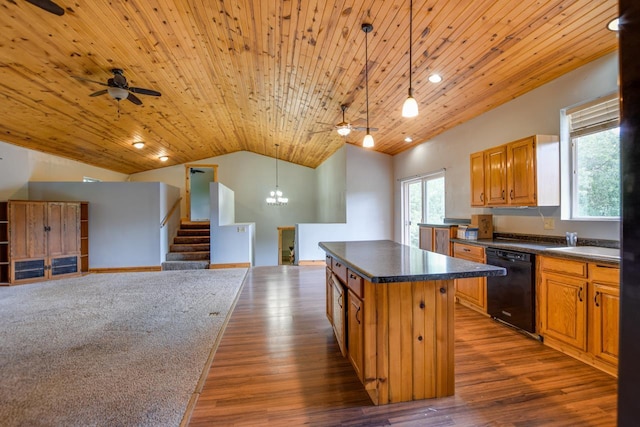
367 142
118 93
139 145
410 106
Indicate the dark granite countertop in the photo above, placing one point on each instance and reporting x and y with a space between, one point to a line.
536 247
385 261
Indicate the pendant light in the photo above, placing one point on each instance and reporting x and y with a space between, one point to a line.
367 142
275 197
410 106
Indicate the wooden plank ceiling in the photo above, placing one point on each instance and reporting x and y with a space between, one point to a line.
247 74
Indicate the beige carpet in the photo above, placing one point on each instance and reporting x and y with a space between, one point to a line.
122 349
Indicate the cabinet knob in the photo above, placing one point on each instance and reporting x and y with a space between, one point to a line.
419 337
421 304
443 291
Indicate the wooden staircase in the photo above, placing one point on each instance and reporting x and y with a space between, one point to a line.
191 247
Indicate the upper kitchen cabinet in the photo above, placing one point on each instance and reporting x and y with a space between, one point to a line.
525 172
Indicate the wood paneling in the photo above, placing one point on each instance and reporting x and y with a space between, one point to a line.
279 364
247 75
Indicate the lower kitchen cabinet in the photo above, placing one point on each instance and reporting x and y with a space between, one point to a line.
339 313
355 334
437 238
579 310
471 292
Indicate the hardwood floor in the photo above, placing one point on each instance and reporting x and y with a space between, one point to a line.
278 364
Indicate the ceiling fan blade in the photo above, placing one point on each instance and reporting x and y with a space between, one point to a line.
134 99
48 5
98 93
89 80
363 128
142 91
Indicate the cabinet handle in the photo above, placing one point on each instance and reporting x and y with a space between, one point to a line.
580 294
466 250
341 297
351 275
595 299
482 197
357 311
502 194
606 266
511 194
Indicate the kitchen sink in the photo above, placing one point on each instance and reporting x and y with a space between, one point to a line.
589 251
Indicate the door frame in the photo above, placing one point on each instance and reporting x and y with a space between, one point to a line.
187 182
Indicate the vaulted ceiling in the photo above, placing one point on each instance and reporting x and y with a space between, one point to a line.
247 74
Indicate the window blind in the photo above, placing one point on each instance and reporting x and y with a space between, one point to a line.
598 115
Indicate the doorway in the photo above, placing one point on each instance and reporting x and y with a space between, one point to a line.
197 179
286 249
423 201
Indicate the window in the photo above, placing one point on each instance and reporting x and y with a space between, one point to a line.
594 136
87 179
422 202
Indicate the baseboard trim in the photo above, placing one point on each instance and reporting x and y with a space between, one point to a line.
311 262
230 265
147 269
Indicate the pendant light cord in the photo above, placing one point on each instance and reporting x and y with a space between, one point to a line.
410 44
366 74
277 146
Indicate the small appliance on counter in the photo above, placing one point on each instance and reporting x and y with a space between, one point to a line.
467 232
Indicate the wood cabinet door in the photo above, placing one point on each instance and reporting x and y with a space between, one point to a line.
55 228
605 321
329 296
442 242
563 309
477 179
426 238
339 313
27 221
355 332
521 174
495 176
473 291
71 228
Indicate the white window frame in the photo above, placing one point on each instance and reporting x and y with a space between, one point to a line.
568 161
404 182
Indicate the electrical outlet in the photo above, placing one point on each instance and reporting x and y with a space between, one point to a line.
549 224
242 229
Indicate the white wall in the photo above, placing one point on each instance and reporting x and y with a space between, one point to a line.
537 112
124 219
369 202
251 177
331 185
19 165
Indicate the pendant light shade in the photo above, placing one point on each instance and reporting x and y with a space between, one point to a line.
410 106
367 142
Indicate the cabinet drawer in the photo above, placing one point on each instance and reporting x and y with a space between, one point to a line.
329 262
604 273
355 283
461 250
340 270
564 266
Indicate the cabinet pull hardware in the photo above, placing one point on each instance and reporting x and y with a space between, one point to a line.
443 291
466 249
482 197
580 294
340 300
357 311
606 266
595 299
511 194
502 194
353 276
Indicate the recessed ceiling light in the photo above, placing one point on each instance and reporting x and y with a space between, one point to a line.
613 24
138 144
435 78
408 139
163 158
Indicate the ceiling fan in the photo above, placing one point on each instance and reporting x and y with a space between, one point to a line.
48 5
118 88
344 128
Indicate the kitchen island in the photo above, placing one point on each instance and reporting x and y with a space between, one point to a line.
391 307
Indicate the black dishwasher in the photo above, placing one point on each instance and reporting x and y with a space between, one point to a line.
511 298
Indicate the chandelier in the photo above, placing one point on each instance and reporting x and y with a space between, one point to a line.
276 197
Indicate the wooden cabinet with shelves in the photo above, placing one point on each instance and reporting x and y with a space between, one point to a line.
4 243
437 238
472 291
579 310
525 172
84 237
44 240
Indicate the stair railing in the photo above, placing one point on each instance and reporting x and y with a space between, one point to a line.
171 212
